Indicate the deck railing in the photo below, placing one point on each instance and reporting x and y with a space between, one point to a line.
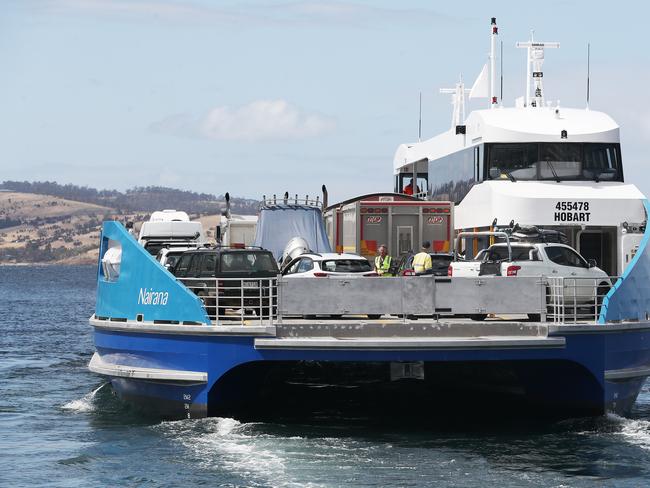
242 300
576 299
257 301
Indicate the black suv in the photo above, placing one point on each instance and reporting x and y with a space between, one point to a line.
229 278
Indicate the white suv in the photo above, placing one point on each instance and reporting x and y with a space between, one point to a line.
324 265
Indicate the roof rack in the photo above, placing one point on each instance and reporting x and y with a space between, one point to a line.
532 233
288 201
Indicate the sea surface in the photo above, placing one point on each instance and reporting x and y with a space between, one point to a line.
60 425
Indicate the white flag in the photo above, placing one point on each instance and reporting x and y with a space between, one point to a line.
480 88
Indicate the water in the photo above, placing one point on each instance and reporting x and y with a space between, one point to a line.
59 426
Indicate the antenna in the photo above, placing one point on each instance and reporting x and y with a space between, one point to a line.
534 61
494 31
501 71
420 120
588 70
458 102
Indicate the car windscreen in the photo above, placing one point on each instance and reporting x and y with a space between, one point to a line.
235 262
346 265
501 253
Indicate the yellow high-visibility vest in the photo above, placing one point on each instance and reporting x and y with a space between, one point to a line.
383 268
422 262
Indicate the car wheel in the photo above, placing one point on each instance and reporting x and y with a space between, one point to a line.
374 316
337 316
534 317
478 316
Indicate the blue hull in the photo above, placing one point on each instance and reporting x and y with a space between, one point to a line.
597 369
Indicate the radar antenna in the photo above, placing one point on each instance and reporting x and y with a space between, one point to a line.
420 120
534 61
458 101
588 70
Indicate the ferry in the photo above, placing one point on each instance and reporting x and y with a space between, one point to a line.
164 344
537 163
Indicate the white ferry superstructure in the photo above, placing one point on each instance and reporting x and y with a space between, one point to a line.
533 164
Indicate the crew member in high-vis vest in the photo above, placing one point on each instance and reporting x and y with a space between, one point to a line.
383 262
422 260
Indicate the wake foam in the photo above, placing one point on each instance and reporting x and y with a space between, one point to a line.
227 444
636 431
85 403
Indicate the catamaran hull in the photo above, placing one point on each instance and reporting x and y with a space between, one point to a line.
573 371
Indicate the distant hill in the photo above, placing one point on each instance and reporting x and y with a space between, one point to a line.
138 199
44 222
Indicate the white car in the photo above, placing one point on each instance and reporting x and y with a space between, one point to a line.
467 267
582 280
168 256
326 265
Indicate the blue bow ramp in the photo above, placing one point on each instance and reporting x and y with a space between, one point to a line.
140 288
629 298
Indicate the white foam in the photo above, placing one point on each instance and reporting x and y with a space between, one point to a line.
636 431
225 443
85 403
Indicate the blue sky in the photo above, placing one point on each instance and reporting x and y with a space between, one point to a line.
261 97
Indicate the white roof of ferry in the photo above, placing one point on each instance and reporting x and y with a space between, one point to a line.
511 125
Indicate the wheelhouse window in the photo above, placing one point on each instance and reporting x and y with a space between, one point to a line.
555 161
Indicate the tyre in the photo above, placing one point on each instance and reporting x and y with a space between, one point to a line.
374 316
478 316
337 316
534 317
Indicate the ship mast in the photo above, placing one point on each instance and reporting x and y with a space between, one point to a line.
458 102
534 61
493 61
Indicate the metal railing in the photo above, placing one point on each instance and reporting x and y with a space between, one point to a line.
576 299
257 301
240 300
287 199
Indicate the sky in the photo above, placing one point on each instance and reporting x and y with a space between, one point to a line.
258 98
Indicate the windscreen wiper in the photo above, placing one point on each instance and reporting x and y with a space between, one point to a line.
557 178
509 175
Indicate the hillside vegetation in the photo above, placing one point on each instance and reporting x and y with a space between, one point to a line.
51 223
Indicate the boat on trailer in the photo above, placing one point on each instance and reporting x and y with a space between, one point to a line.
160 349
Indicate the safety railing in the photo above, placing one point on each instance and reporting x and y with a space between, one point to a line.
257 301
576 299
237 300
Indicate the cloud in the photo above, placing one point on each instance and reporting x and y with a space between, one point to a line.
261 120
156 8
242 15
